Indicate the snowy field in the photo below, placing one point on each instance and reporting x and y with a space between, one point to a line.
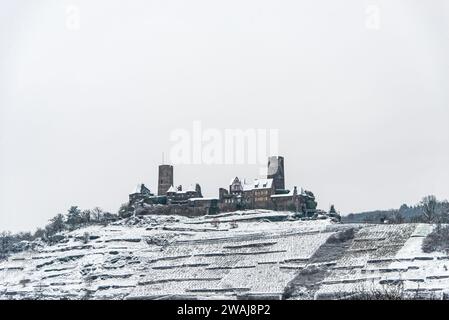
232 256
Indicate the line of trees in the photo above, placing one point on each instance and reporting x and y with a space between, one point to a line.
431 210
9 243
74 218
428 210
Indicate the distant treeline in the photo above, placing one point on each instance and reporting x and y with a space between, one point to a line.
429 210
408 213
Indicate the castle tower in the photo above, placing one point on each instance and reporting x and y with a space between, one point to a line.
198 190
276 171
165 179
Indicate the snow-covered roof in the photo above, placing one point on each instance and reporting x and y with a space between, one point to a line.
202 199
137 189
263 183
289 194
258 184
171 189
247 187
235 180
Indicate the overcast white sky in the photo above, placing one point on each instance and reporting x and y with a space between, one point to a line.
85 114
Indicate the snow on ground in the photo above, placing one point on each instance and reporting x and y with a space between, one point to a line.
384 257
230 255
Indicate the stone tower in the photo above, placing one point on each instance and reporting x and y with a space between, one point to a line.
276 171
165 179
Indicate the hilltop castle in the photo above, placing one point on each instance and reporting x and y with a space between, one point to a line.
266 193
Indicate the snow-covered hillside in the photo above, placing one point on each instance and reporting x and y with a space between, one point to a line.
234 255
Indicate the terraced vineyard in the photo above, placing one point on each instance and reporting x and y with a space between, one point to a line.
243 255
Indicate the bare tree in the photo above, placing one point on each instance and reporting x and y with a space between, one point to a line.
429 208
86 216
96 214
397 217
444 211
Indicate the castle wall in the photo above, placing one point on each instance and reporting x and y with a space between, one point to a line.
175 209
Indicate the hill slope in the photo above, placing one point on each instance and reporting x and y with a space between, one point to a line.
233 255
